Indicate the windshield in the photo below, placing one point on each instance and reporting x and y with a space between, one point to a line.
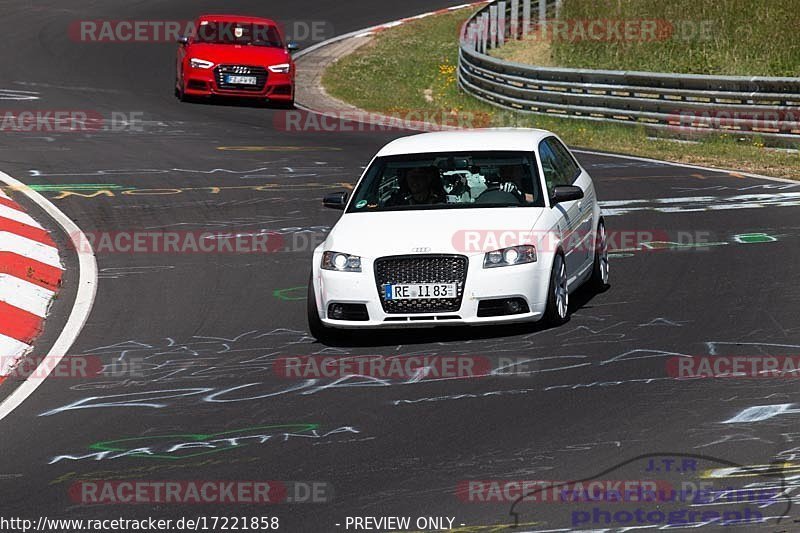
449 180
241 33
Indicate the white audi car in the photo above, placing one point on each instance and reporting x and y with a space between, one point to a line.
460 228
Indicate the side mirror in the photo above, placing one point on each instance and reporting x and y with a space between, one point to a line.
335 200
565 193
292 46
183 41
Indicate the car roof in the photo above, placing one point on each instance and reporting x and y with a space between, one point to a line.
236 18
484 139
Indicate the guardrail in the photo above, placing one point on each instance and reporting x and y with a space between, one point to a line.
684 103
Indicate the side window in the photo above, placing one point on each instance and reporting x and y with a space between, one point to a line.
569 167
551 166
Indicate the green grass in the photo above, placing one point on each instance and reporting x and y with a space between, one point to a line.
737 37
412 67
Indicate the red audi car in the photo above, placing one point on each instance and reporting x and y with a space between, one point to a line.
235 56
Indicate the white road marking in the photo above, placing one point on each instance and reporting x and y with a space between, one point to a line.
12 94
84 299
11 242
683 165
689 204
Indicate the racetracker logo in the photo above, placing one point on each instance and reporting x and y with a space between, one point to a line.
740 366
70 366
68 121
542 491
201 492
605 30
50 121
178 242
298 121
79 366
381 367
169 31
602 30
687 120
485 241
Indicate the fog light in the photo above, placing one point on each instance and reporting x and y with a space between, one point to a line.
513 307
337 311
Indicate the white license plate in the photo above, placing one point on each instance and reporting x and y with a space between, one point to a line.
419 291
241 80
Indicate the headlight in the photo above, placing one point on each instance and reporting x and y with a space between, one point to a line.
516 255
200 63
283 68
341 262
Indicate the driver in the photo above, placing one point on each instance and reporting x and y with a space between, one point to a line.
513 180
419 186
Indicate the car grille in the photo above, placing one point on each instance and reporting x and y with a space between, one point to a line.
421 269
240 70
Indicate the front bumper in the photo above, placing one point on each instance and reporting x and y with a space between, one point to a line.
204 83
529 282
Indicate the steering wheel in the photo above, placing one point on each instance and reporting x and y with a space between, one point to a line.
496 195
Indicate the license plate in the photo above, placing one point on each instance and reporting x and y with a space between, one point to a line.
241 80
419 291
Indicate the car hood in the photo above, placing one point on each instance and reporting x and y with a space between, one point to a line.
238 54
373 235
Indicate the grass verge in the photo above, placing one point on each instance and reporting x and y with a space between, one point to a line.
728 37
413 67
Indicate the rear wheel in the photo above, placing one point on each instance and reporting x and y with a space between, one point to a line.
557 311
600 269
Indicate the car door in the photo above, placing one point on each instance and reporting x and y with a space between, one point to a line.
579 178
566 213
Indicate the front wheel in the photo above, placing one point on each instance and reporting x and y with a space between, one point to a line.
317 329
600 270
180 89
557 311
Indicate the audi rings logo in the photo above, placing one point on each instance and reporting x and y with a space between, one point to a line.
420 250
241 70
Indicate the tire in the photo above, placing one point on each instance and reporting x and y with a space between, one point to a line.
600 270
179 94
557 310
318 330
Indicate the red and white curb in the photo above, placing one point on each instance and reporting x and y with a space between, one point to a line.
44 276
30 275
377 29
372 30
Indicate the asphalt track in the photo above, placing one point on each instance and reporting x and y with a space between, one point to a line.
596 395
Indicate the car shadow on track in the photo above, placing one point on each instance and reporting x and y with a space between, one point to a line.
580 299
228 101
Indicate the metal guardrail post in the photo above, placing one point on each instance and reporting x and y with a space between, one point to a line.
543 18
501 23
493 26
526 18
513 33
